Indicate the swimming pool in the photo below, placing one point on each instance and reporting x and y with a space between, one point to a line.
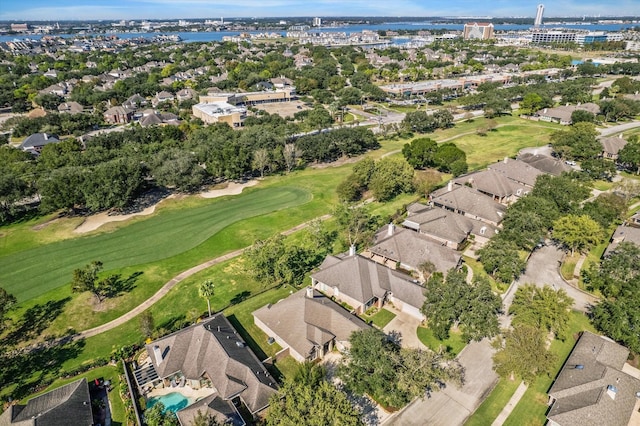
173 401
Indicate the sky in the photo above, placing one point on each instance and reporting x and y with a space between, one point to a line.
174 9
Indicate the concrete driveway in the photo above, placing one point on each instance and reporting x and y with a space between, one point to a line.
407 326
451 406
543 268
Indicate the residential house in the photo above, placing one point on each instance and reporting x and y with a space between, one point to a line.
68 404
634 220
399 248
517 171
281 82
134 102
544 163
158 119
594 386
118 115
210 354
612 146
493 184
186 94
35 142
70 108
161 97
562 114
362 283
309 324
446 227
468 202
623 233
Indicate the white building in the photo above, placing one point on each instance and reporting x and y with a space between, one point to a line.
539 14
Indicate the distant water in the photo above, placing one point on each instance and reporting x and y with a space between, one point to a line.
190 37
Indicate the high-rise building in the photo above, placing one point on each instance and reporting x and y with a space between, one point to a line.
317 22
539 13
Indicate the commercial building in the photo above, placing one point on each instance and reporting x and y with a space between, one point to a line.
478 31
220 112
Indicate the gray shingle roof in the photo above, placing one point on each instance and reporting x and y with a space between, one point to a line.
490 182
412 249
38 140
470 201
623 233
582 395
363 279
545 163
69 404
612 145
303 322
214 348
517 171
223 411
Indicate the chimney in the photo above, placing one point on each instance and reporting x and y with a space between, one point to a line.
450 186
505 160
391 229
535 152
158 354
545 111
620 136
352 250
46 136
310 292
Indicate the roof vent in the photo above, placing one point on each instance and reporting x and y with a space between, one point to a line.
612 391
240 344
579 367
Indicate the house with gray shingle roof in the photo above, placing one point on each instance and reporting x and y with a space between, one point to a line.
446 227
361 283
623 233
494 184
309 324
612 146
403 248
35 142
209 354
468 202
545 164
562 114
63 406
517 171
593 387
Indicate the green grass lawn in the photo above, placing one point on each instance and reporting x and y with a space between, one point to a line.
381 318
478 271
532 408
495 402
30 273
454 344
569 265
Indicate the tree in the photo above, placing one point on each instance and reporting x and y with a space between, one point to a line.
577 142
206 291
7 301
565 191
451 159
501 260
348 190
577 232
157 416
355 223
378 367
425 181
291 155
420 152
543 308
629 155
523 352
319 118
480 318
308 399
581 115
618 279
260 160
86 279
608 208
599 169
147 323
363 170
391 177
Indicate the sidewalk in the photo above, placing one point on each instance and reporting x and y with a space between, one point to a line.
506 411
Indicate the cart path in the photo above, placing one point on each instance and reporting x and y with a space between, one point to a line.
171 284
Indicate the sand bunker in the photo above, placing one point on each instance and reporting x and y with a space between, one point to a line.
232 189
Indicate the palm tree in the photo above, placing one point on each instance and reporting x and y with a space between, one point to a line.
206 291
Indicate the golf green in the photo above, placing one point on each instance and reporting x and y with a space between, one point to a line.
30 273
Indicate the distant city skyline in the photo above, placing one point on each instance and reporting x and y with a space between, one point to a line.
174 9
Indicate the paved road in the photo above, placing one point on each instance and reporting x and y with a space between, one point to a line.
619 128
543 268
451 406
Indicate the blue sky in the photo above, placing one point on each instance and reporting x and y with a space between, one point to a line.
164 9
